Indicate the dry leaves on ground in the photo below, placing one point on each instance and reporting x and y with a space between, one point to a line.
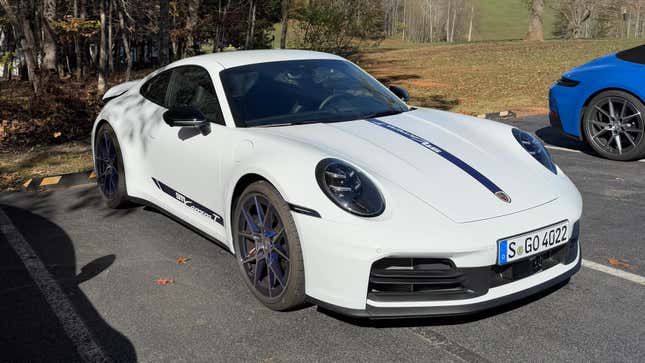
182 260
163 281
621 263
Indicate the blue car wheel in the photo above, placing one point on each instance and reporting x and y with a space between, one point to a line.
108 164
613 125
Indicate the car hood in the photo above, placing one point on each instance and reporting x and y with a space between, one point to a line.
447 160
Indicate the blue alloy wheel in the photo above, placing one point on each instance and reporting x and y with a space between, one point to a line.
107 164
263 246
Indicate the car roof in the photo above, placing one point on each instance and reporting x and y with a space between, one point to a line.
244 57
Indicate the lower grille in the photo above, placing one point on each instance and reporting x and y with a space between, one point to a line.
426 279
393 279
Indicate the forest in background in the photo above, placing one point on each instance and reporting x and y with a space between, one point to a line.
57 57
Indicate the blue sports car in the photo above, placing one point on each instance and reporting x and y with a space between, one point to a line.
602 103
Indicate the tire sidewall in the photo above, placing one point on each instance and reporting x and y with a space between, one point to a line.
636 153
120 197
293 295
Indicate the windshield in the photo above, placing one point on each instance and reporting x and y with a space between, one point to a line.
304 91
634 55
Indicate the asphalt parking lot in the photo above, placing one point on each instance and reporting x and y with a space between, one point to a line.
90 292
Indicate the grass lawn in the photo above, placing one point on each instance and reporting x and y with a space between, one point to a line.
507 20
484 76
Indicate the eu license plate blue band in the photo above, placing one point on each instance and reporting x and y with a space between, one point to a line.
502 252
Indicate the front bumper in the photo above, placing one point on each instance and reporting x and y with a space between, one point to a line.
495 297
339 255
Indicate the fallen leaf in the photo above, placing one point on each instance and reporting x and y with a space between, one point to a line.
182 260
617 262
57 134
165 281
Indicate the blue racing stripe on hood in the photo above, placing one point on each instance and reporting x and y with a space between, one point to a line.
441 152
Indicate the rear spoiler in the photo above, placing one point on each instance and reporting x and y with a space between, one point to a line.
118 90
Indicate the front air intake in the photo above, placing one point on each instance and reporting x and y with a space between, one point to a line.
396 279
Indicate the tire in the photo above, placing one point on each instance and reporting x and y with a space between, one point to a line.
269 250
614 125
108 163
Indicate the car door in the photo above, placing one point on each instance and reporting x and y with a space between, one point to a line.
186 161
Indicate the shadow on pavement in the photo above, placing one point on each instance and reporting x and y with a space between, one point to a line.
437 321
554 137
30 330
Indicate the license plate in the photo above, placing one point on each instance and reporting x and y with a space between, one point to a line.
528 244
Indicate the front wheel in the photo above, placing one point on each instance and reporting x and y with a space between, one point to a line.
108 164
267 247
613 126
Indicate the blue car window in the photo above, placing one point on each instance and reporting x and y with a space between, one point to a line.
634 55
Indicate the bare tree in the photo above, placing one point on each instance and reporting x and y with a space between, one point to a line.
103 47
536 23
191 23
164 35
576 12
470 25
126 41
285 23
22 26
251 24
49 61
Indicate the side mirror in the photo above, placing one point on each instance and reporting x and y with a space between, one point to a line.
186 116
400 93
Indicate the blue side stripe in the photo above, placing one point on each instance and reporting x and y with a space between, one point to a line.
441 152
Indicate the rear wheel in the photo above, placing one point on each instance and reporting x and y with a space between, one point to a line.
613 125
267 247
110 175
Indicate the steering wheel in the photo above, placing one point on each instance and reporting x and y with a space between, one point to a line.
329 100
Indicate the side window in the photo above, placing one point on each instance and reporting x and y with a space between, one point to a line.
155 89
634 55
192 86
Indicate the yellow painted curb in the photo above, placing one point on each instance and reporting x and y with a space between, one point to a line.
92 175
27 183
50 180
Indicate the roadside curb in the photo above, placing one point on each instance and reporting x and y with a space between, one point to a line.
497 116
60 181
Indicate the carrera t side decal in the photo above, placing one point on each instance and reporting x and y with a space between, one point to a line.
186 201
446 155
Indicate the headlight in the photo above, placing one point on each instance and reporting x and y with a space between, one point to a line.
350 189
567 82
535 148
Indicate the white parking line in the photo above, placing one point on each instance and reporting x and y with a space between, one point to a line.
73 325
574 151
614 272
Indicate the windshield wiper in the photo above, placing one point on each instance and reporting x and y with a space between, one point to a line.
291 123
383 114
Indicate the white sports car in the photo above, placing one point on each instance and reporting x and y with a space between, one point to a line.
329 189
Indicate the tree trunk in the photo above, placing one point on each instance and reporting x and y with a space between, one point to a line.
24 37
285 23
470 27
49 61
102 49
448 23
454 21
191 23
77 45
638 22
83 42
126 45
110 41
164 36
251 25
536 26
